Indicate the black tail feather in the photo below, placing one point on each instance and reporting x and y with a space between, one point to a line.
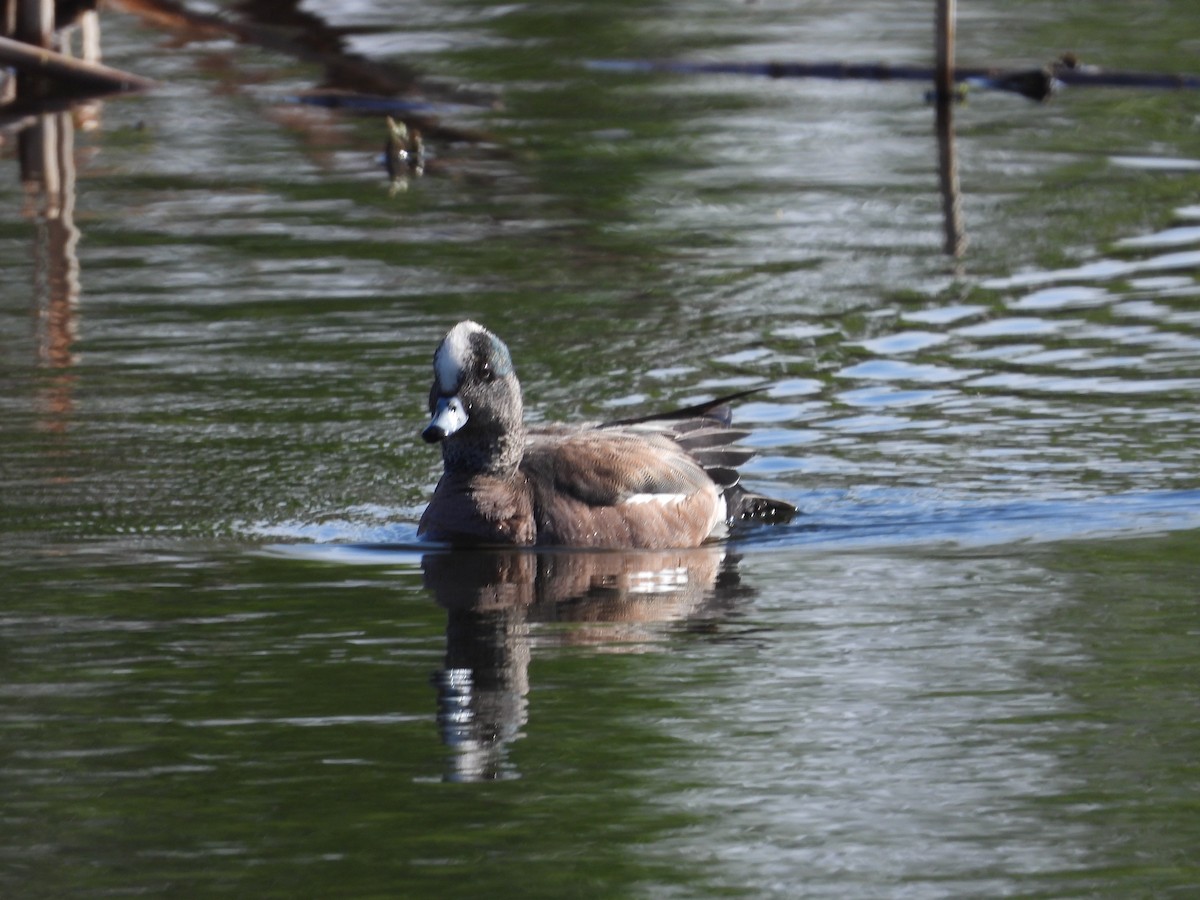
698 440
727 457
717 410
747 508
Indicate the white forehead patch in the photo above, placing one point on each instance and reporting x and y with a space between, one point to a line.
453 355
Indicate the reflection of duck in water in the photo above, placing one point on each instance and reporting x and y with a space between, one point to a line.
666 480
496 599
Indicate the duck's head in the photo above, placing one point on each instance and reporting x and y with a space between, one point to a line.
475 401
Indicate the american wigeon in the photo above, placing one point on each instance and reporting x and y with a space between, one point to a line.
659 481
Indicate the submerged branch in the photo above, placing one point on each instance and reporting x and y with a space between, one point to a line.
1036 84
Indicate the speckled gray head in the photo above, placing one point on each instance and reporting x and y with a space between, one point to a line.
473 383
466 348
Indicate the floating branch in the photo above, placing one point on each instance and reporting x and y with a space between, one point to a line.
1037 84
374 104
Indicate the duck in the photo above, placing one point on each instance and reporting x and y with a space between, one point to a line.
667 480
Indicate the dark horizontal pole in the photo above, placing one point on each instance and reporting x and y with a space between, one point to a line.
1083 76
68 72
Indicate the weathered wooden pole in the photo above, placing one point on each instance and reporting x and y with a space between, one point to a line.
48 79
944 93
945 25
33 28
35 22
72 74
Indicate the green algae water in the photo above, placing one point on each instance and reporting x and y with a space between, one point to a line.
968 669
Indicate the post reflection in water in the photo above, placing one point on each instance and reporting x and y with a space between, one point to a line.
495 599
47 154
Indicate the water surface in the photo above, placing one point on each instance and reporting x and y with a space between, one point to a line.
967 670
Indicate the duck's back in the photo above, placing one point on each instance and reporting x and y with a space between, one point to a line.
618 487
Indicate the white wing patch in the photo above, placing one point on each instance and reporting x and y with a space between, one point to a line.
662 499
716 524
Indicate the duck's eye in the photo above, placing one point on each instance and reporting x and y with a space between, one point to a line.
486 373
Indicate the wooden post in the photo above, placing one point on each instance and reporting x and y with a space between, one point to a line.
89 41
944 73
35 22
944 92
8 25
34 26
8 18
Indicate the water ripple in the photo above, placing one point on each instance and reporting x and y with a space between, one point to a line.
891 370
